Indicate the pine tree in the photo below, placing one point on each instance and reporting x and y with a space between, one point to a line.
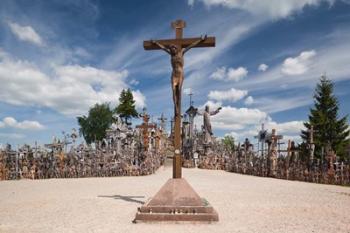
329 129
126 108
93 127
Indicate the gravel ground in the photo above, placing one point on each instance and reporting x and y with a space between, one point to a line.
244 203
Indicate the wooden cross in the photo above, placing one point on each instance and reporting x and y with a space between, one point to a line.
272 139
145 126
311 132
183 44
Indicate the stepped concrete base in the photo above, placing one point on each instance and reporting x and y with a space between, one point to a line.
176 201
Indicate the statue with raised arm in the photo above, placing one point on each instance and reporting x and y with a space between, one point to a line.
206 122
177 63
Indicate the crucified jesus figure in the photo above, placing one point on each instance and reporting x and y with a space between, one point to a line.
177 63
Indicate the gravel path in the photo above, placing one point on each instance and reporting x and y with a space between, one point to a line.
244 204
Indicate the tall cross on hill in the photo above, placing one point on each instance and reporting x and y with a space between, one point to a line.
177 48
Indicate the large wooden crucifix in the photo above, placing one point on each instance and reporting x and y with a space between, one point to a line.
176 48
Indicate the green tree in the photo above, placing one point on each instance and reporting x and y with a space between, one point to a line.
329 128
229 142
126 108
93 127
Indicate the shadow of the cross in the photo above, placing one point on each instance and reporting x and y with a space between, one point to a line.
125 198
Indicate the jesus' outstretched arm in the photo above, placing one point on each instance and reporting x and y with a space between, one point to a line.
161 46
203 38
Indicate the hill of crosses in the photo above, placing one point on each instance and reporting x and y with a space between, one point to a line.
169 168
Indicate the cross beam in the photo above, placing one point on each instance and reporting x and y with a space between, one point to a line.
183 42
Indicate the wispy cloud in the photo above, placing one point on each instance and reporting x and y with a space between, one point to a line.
249 100
273 9
298 65
230 74
7 136
232 95
231 118
26 33
263 67
10 122
272 104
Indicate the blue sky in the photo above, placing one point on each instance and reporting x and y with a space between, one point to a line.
58 58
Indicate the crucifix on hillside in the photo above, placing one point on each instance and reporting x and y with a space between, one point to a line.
177 48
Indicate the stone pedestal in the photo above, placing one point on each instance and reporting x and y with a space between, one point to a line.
176 201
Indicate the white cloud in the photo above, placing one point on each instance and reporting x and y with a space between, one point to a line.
282 103
134 82
11 122
298 65
331 58
219 74
263 67
26 33
11 136
204 59
230 118
140 99
290 128
273 9
246 122
212 105
229 74
69 89
249 100
229 95
236 74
